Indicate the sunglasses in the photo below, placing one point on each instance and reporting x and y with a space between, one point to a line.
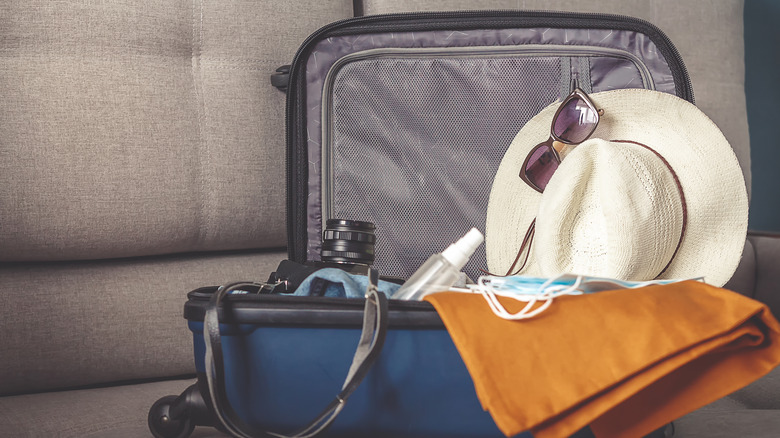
574 121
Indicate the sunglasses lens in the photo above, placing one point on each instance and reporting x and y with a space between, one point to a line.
576 121
540 166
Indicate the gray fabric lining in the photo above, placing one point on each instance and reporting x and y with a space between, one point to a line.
606 72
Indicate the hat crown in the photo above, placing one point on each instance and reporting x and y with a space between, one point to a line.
612 209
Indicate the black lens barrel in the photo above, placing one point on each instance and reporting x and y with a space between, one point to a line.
348 241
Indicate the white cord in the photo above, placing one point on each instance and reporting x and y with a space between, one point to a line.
545 293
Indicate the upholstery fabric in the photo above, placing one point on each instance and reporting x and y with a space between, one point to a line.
68 324
717 72
138 128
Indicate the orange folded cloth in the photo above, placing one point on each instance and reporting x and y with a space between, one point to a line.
625 362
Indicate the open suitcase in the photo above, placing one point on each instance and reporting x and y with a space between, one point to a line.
400 120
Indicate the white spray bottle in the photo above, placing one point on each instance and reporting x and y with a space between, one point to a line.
440 271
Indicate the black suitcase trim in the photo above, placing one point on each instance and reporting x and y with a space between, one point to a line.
288 310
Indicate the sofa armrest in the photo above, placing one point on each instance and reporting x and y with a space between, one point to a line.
744 278
758 273
766 252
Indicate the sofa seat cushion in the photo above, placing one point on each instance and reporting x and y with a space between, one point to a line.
111 412
121 412
729 423
71 324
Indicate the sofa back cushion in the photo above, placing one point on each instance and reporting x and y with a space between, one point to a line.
139 128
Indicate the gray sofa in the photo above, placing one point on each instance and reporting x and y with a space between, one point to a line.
142 156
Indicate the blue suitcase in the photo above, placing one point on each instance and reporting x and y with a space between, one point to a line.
284 360
400 120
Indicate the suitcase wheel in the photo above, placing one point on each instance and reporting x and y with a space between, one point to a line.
164 424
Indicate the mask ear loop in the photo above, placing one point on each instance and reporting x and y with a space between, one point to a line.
545 292
498 309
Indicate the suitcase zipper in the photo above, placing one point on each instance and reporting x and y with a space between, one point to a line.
420 21
538 50
289 310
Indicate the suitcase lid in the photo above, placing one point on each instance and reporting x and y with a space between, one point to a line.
431 211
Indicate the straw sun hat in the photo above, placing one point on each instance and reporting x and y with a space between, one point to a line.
655 192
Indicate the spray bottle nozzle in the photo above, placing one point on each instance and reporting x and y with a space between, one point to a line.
440 271
459 252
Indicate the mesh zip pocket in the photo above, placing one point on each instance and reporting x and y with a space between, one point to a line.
415 144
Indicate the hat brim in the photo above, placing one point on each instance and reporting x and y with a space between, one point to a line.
709 173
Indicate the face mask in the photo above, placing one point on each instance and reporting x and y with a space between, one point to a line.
533 290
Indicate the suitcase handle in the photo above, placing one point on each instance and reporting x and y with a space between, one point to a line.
372 339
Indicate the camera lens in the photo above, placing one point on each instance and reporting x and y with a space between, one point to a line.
348 241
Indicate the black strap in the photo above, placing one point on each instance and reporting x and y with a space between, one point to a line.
370 345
